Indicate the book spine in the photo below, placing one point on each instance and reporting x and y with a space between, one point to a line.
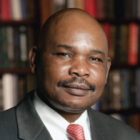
5 9
10 46
9 89
16 10
133 44
90 7
100 9
58 5
123 44
79 4
23 46
137 81
23 9
106 28
16 47
112 42
125 89
5 59
70 3
1 96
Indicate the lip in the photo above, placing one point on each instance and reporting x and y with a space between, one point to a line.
77 90
76 86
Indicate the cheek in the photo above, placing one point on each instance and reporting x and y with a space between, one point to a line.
99 75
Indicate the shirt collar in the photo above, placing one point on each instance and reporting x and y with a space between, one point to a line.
51 118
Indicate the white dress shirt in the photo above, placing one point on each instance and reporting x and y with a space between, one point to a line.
56 124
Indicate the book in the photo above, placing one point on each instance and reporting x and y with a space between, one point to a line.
132 88
106 28
110 9
23 46
23 9
128 9
9 90
138 7
16 10
112 43
139 45
59 5
30 8
123 44
5 59
90 7
10 46
116 90
117 45
1 96
5 10
45 10
79 4
16 47
101 9
0 48
133 44
137 81
125 89
70 3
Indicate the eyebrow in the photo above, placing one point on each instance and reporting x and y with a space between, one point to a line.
98 52
70 48
65 47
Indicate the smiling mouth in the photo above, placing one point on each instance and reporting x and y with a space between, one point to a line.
76 90
75 86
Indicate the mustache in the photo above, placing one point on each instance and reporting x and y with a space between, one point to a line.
65 83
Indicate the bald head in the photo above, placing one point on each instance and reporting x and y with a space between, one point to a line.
69 19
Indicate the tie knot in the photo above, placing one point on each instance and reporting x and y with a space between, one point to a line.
75 132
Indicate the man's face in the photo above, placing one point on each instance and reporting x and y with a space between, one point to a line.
73 67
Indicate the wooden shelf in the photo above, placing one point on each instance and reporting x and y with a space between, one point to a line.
123 111
124 66
19 22
119 21
15 71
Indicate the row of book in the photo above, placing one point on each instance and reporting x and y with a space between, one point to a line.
102 9
17 9
124 43
15 42
13 88
122 91
132 120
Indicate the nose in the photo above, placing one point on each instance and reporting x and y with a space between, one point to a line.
79 69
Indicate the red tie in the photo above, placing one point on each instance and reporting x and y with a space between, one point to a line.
75 132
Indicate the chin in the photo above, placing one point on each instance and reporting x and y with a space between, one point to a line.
65 108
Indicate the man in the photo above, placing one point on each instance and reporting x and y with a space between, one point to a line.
71 63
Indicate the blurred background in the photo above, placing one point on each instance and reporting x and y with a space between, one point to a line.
20 24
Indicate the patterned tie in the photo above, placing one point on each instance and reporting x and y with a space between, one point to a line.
75 132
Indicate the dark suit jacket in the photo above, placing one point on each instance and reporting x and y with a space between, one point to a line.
23 123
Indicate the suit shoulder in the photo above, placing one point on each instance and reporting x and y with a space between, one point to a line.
8 125
116 127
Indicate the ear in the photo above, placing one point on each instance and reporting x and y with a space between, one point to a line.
33 57
108 68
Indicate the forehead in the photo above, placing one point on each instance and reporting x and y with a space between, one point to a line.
79 35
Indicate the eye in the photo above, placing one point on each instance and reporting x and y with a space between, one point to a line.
95 59
63 54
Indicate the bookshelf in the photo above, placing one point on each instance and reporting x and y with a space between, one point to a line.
19 29
107 13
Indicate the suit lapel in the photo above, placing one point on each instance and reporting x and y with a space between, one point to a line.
29 123
99 130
